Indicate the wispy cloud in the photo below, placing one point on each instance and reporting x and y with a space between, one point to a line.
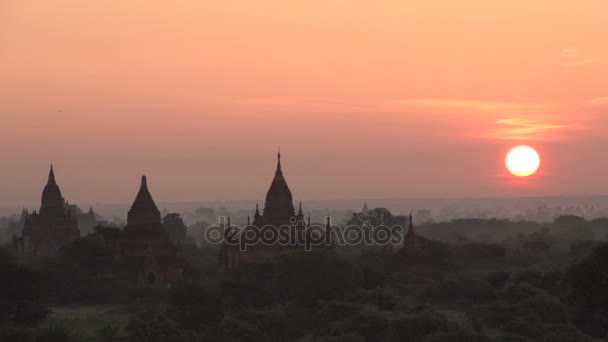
495 119
532 128
573 56
468 106
596 102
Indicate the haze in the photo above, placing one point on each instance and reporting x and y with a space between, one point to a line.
367 99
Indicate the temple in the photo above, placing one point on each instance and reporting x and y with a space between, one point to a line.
410 243
278 213
145 252
87 221
44 232
365 209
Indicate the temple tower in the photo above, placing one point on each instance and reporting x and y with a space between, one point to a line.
145 251
44 232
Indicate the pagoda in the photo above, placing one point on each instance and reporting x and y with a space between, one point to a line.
278 214
44 232
145 252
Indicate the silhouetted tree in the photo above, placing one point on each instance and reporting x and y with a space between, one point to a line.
20 293
175 227
306 277
587 281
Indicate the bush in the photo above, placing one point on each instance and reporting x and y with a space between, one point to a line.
20 293
15 334
271 322
232 330
335 311
306 277
414 327
151 326
352 337
193 307
514 293
381 297
460 336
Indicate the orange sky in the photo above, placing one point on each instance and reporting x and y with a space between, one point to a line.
366 98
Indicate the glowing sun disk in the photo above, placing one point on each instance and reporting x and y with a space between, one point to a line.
522 161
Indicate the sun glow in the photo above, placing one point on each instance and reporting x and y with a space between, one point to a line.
522 161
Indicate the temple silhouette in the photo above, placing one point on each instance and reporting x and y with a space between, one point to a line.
53 226
144 250
279 214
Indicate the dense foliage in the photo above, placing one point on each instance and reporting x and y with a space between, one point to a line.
472 280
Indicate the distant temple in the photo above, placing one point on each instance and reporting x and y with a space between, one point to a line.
365 210
279 213
15 228
45 231
145 251
410 243
87 221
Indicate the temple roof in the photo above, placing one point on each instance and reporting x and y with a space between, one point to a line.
143 210
51 195
279 201
410 228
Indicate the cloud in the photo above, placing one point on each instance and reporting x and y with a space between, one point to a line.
538 128
573 56
495 119
467 106
596 102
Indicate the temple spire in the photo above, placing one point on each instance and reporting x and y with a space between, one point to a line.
279 160
410 228
365 210
143 210
51 177
300 211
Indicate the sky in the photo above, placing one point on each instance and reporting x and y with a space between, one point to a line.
367 99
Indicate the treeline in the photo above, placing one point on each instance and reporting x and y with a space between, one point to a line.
533 283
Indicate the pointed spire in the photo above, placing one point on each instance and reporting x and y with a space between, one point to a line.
143 210
279 160
309 218
365 209
248 219
51 180
257 210
300 211
410 228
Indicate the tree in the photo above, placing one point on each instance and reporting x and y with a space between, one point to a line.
20 293
377 217
587 281
91 252
175 227
306 277
569 221
273 322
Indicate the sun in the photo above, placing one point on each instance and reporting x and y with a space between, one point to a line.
522 161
